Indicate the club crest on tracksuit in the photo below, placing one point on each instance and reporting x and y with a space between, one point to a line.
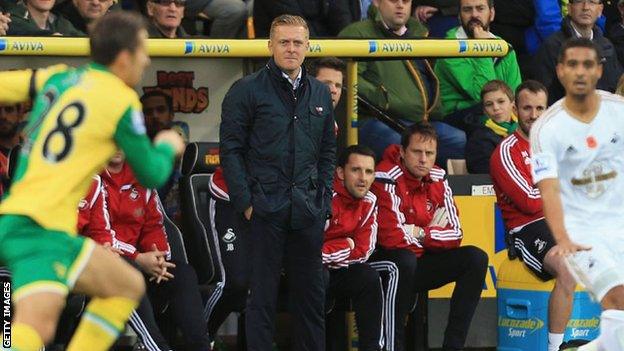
229 239
134 194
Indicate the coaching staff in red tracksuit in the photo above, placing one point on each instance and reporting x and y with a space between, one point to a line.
419 230
122 214
350 238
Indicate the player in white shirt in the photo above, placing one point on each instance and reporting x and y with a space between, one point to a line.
578 165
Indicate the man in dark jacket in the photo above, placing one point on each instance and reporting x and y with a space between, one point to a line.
616 32
278 153
581 22
166 18
81 13
34 17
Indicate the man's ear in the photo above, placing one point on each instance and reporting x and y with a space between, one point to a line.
340 173
559 70
150 9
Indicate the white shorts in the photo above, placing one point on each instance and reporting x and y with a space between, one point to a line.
601 268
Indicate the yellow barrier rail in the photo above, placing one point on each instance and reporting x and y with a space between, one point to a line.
361 48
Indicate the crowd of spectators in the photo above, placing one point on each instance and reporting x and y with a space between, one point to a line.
447 92
223 18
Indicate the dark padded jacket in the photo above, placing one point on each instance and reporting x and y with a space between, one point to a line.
545 62
278 146
479 148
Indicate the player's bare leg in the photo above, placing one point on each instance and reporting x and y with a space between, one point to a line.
35 320
561 299
116 288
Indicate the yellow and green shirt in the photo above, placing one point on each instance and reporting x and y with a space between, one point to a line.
80 117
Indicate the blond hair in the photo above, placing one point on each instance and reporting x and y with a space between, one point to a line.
288 20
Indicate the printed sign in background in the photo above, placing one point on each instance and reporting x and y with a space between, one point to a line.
197 87
58 46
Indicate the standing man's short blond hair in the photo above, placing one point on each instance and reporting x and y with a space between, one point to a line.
288 20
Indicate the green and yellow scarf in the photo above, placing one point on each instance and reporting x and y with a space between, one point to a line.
503 129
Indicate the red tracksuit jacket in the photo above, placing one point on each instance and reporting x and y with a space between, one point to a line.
510 167
402 200
134 221
93 217
217 186
351 218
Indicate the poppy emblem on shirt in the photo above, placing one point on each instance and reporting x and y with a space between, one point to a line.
591 142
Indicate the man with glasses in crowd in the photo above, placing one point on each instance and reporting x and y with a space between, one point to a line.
580 23
165 18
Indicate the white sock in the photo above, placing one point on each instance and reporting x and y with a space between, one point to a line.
554 341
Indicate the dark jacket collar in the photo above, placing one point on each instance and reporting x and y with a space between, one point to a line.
566 28
69 10
155 32
276 73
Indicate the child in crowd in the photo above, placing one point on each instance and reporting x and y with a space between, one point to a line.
498 122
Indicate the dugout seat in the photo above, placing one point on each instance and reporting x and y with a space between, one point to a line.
200 159
174 237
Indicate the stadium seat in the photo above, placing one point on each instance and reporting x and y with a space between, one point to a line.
174 237
200 159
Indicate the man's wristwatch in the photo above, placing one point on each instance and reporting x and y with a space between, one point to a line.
420 235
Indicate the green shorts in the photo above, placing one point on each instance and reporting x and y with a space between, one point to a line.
41 260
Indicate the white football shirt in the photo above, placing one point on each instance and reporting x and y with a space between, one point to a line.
588 160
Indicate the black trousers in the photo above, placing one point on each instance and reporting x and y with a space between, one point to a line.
276 244
361 283
405 296
466 266
180 299
231 230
